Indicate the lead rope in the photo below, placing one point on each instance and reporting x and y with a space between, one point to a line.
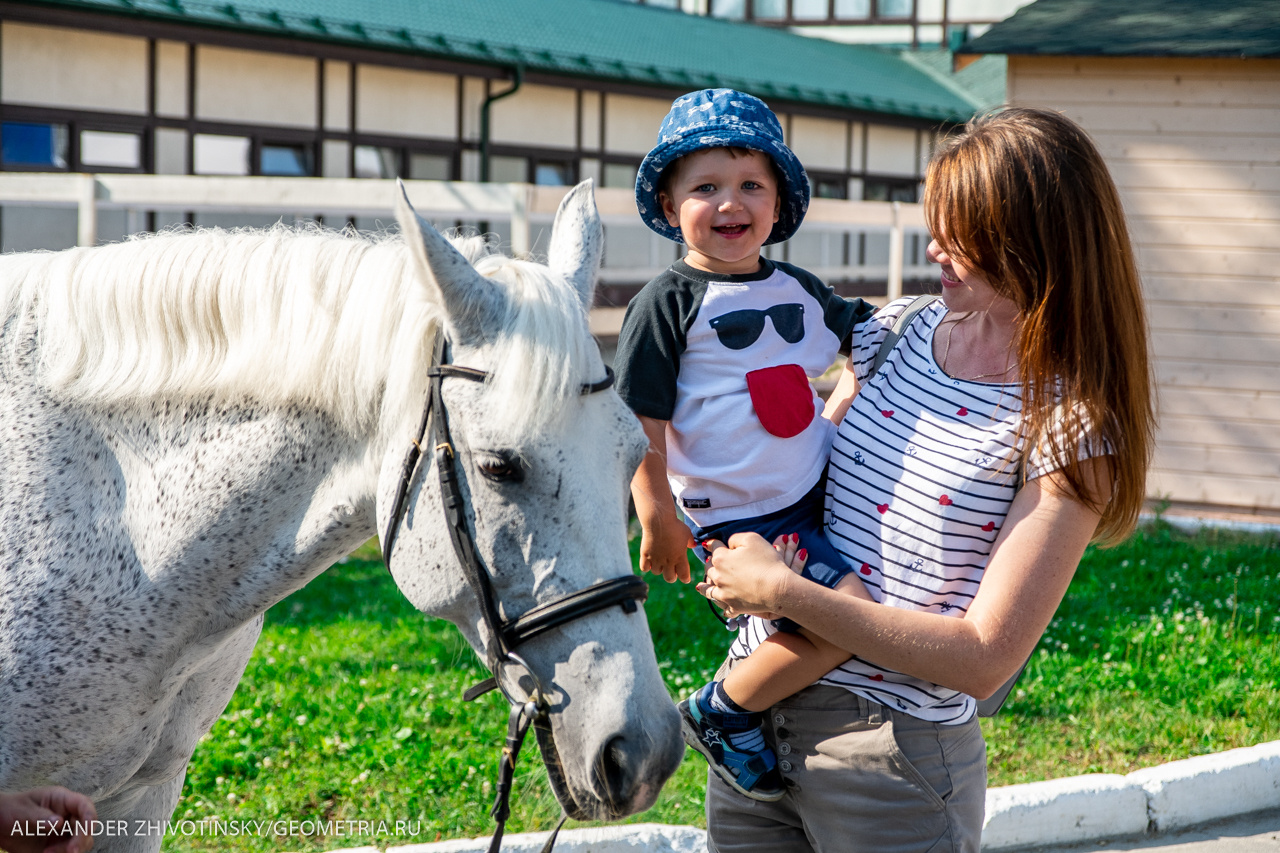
522 716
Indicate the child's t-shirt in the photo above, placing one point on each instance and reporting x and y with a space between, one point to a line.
725 360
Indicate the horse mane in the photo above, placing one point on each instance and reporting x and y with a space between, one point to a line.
284 316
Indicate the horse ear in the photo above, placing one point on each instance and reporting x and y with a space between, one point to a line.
577 241
472 303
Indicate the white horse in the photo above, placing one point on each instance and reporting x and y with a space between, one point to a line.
194 425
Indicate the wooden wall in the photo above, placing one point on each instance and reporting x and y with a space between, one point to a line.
1194 145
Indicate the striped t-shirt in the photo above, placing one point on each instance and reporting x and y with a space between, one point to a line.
923 471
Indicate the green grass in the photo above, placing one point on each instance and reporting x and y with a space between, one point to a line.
351 708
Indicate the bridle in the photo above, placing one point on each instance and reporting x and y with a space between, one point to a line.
508 669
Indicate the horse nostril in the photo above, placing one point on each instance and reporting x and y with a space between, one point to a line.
615 772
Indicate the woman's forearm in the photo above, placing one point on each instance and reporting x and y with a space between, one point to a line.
1030 568
946 651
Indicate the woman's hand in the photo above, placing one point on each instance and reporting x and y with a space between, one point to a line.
747 574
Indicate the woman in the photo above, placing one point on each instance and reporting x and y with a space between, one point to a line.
1010 426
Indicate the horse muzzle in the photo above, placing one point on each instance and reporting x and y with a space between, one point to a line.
626 773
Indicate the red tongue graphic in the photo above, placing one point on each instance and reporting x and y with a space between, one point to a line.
783 399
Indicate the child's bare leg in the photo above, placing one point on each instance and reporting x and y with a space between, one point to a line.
723 720
787 663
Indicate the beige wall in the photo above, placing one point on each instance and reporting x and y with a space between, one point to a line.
891 150
337 95
820 143
631 124
171 79
399 101
253 87
536 116
1194 146
76 69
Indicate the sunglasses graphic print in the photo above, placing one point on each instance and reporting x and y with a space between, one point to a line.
740 329
781 395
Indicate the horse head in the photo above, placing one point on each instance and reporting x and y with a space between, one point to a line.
543 471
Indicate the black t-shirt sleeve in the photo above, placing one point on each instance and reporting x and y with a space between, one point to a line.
652 339
841 315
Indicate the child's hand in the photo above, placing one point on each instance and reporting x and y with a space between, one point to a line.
664 550
788 548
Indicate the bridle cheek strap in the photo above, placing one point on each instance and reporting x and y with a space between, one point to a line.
503 635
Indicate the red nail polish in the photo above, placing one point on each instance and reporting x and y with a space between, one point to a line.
803 554
795 537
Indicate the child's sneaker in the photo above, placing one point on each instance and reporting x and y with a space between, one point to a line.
752 774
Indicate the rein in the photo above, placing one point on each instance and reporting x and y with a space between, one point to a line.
509 670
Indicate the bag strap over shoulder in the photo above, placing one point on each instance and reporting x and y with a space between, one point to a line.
899 328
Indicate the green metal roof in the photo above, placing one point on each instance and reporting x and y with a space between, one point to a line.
1205 28
596 39
982 80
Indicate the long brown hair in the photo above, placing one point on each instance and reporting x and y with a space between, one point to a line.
1024 197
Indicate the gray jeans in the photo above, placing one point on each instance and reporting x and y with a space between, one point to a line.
861 778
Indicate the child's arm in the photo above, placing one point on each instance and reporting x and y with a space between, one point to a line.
665 540
842 395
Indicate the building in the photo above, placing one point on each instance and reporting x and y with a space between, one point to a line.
1183 98
501 90
913 23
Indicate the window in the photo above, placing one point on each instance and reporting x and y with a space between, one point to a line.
508 170
733 9
881 190
825 186
430 167
290 161
377 161
853 9
221 155
809 10
769 10
895 8
111 150
32 145
552 173
621 175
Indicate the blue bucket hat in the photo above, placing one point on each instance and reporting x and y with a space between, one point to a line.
721 118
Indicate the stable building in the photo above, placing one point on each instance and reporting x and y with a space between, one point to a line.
501 90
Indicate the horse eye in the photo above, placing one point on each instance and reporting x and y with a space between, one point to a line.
501 467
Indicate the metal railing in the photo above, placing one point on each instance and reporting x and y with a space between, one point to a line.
841 241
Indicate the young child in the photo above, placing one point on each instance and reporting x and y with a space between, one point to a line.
714 357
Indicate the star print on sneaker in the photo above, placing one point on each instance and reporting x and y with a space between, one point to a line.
752 773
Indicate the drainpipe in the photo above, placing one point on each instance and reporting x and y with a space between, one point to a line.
517 74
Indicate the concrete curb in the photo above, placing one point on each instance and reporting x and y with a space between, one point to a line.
629 838
1156 799
1038 814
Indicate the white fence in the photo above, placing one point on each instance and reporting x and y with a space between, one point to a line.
841 241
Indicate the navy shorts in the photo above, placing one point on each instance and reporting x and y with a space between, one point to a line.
825 565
